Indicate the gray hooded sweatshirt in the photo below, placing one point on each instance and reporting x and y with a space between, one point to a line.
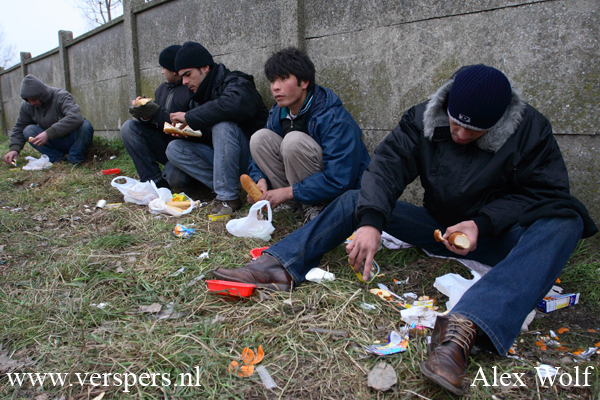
59 115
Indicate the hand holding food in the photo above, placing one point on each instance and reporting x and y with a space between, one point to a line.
458 239
250 187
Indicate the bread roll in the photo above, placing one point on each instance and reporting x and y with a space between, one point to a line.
31 139
142 102
250 187
458 239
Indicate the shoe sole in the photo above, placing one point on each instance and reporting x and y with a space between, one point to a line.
442 382
271 287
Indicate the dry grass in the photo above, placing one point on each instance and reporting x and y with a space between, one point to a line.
60 259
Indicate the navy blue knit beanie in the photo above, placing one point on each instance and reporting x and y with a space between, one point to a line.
479 97
166 59
193 55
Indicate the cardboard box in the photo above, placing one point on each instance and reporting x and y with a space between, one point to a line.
553 303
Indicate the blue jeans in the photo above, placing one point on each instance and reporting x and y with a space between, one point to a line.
75 144
219 167
526 260
147 148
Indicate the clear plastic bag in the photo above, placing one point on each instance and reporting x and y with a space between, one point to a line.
251 226
36 164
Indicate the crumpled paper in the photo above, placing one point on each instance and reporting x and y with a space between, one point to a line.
318 275
422 316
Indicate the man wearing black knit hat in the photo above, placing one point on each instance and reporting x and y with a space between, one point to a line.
491 169
227 109
144 138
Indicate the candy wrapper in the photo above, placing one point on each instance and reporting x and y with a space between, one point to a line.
182 231
396 343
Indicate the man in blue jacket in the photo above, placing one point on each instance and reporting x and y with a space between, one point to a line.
311 149
491 168
144 138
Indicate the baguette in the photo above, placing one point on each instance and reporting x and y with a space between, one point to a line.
458 239
251 187
142 102
187 131
185 204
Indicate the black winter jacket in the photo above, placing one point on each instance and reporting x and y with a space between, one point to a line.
171 98
233 98
494 181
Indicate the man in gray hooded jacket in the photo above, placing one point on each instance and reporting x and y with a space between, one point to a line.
51 121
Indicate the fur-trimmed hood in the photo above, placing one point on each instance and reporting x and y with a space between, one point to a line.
436 115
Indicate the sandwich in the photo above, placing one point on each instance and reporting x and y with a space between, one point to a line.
187 131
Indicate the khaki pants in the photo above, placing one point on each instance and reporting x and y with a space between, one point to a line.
286 160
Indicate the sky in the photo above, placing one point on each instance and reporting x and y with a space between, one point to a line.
32 25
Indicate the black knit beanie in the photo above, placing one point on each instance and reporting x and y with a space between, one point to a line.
166 59
479 97
193 55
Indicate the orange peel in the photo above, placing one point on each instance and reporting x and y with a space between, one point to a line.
562 330
247 355
250 359
241 370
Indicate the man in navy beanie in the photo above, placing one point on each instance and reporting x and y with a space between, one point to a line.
144 138
227 109
491 169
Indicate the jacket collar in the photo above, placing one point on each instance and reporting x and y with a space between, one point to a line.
435 115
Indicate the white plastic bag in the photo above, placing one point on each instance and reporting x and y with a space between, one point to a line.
251 226
140 193
159 205
36 164
454 286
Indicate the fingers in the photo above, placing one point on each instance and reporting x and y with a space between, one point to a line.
249 199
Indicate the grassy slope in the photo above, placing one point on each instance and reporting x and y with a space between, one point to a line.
60 259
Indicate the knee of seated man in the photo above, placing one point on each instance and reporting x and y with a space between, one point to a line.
224 127
294 144
127 129
259 140
31 131
175 148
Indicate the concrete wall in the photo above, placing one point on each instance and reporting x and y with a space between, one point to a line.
379 56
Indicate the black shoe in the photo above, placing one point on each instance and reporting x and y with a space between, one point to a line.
162 183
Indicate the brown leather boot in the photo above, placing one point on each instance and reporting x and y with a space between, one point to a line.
266 272
451 343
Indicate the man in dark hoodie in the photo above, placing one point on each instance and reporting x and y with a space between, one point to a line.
491 168
311 150
51 121
228 109
144 139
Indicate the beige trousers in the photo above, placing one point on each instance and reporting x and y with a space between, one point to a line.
286 160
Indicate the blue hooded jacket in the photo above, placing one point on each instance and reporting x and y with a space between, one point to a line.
345 156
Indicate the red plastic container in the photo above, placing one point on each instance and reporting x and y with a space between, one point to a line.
111 171
255 253
227 288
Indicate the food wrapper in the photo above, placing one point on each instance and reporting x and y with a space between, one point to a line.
396 343
183 232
